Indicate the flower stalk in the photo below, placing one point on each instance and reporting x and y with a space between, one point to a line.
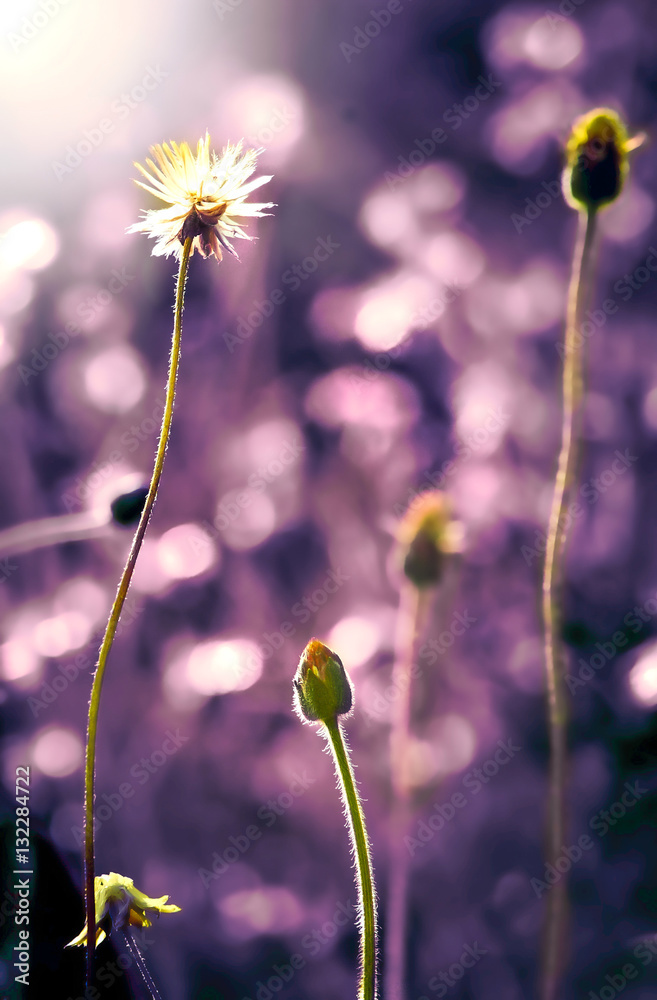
119 600
412 601
323 694
428 536
554 653
361 848
597 164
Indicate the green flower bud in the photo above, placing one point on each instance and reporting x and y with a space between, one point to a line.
596 159
321 685
427 535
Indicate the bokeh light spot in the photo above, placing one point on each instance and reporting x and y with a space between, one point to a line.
114 380
261 910
359 637
57 752
186 551
643 678
61 633
18 660
220 666
31 244
245 519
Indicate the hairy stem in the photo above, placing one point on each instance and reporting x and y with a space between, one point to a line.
115 614
364 874
554 930
138 959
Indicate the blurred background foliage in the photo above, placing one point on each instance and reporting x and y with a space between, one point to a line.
394 327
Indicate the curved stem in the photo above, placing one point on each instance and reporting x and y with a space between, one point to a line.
411 605
360 844
554 654
115 614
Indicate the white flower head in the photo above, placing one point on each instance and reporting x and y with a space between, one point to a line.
205 195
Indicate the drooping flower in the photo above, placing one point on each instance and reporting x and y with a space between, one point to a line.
205 195
117 898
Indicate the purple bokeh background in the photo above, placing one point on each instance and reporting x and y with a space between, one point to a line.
400 310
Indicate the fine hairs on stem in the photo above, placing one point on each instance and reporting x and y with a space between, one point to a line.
554 654
361 849
209 194
323 692
596 167
138 959
115 614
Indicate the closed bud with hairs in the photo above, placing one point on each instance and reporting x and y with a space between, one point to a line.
597 159
322 693
321 685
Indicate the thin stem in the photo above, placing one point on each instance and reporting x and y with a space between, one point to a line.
115 614
360 845
411 605
554 930
138 959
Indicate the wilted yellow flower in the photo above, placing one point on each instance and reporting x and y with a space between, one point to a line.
117 898
205 194
597 159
